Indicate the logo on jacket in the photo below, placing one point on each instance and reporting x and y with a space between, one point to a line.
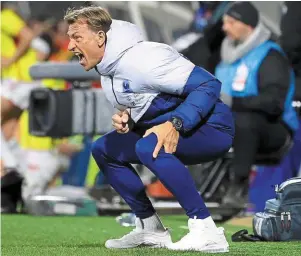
240 79
126 87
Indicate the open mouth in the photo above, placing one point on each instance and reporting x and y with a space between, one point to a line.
81 57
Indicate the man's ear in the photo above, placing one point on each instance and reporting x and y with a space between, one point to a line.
101 38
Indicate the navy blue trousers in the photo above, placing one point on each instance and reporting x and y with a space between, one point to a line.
114 154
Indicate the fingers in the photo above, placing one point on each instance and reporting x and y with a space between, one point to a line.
157 148
117 126
116 118
159 143
167 140
176 141
170 147
121 128
119 122
125 128
125 117
148 132
174 148
123 131
120 113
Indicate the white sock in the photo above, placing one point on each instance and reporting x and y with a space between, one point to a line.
8 158
152 223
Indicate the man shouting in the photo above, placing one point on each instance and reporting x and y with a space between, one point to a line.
170 116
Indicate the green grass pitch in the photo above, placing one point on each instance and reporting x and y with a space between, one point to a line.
71 236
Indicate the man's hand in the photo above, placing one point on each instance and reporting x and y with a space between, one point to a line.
121 122
167 136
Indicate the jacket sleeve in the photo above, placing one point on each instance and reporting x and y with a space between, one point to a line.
201 92
177 75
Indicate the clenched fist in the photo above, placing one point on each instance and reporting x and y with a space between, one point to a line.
122 122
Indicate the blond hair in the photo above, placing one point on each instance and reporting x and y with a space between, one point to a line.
95 17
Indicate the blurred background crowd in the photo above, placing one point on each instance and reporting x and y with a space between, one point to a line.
36 32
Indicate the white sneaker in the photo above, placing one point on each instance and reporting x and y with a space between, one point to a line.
202 238
141 237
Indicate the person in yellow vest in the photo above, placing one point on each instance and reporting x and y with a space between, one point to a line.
21 47
13 55
16 87
16 39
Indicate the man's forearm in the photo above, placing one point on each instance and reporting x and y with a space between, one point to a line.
26 37
198 104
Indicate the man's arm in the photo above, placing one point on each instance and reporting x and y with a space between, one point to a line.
13 25
273 85
168 72
201 93
24 39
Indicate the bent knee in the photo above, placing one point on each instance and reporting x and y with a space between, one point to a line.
145 148
98 148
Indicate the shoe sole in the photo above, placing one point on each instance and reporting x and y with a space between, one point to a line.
217 250
205 250
158 246
155 246
150 243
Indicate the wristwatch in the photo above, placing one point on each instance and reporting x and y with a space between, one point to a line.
177 123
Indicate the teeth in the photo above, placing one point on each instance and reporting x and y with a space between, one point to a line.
79 55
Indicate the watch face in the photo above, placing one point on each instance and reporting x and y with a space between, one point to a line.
177 123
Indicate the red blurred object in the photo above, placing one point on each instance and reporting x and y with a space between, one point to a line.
96 84
157 190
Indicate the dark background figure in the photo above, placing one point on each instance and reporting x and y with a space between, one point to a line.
257 77
205 51
291 39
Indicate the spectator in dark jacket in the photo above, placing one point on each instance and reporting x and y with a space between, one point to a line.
257 82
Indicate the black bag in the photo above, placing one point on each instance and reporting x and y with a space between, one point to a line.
281 219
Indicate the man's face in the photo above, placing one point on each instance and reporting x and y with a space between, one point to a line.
86 44
235 29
